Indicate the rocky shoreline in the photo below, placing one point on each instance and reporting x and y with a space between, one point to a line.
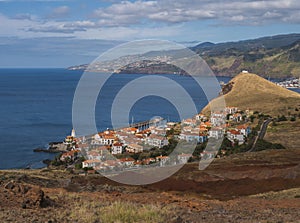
54 147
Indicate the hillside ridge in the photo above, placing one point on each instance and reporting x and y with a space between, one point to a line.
250 91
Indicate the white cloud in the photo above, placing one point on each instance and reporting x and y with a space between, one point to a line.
59 12
151 19
248 11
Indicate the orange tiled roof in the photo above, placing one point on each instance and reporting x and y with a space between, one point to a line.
127 159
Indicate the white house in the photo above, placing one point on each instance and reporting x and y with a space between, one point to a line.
117 148
94 155
128 161
215 133
190 137
156 140
162 160
235 136
236 117
201 117
90 163
134 148
183 158
207 155
231 110
244 129
104 138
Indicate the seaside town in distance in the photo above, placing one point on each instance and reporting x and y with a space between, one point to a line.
149 143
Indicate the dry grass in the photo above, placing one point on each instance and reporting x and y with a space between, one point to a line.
255 93
285 133
87 210
285 194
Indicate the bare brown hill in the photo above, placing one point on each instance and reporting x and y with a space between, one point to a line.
249 91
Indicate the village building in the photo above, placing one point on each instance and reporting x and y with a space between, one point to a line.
235 136
69 141
189 121
94 155
237 117
127 162
163 160
231 110
190 137
148 161
129 130
183 158
156 141
105 138
244 129
216 133
108 165
70 155
200 117
134 148
117 148
90 163
206 155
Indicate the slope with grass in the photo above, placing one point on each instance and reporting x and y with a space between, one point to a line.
249 91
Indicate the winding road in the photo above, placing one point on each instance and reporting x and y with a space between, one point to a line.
261 133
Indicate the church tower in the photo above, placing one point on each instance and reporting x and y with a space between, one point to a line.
73 133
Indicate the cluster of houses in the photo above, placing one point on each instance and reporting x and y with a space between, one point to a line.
220 124
291 83
130 140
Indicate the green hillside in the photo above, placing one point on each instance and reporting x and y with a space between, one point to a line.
275 57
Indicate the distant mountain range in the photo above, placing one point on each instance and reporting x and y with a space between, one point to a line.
275 56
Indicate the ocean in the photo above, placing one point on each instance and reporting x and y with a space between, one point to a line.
36 108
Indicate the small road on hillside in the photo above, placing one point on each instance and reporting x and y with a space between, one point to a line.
261 133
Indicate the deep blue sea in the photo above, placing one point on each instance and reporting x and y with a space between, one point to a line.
36 108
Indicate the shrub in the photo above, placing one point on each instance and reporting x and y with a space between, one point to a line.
265 145
281 118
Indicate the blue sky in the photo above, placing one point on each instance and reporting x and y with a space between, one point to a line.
57 33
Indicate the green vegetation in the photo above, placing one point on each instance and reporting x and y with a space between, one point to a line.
264 145
276 57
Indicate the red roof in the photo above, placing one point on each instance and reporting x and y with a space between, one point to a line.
235 132
242 127
118 144
127 159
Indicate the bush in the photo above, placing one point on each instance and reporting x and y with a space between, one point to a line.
78 166
281 118
265 145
